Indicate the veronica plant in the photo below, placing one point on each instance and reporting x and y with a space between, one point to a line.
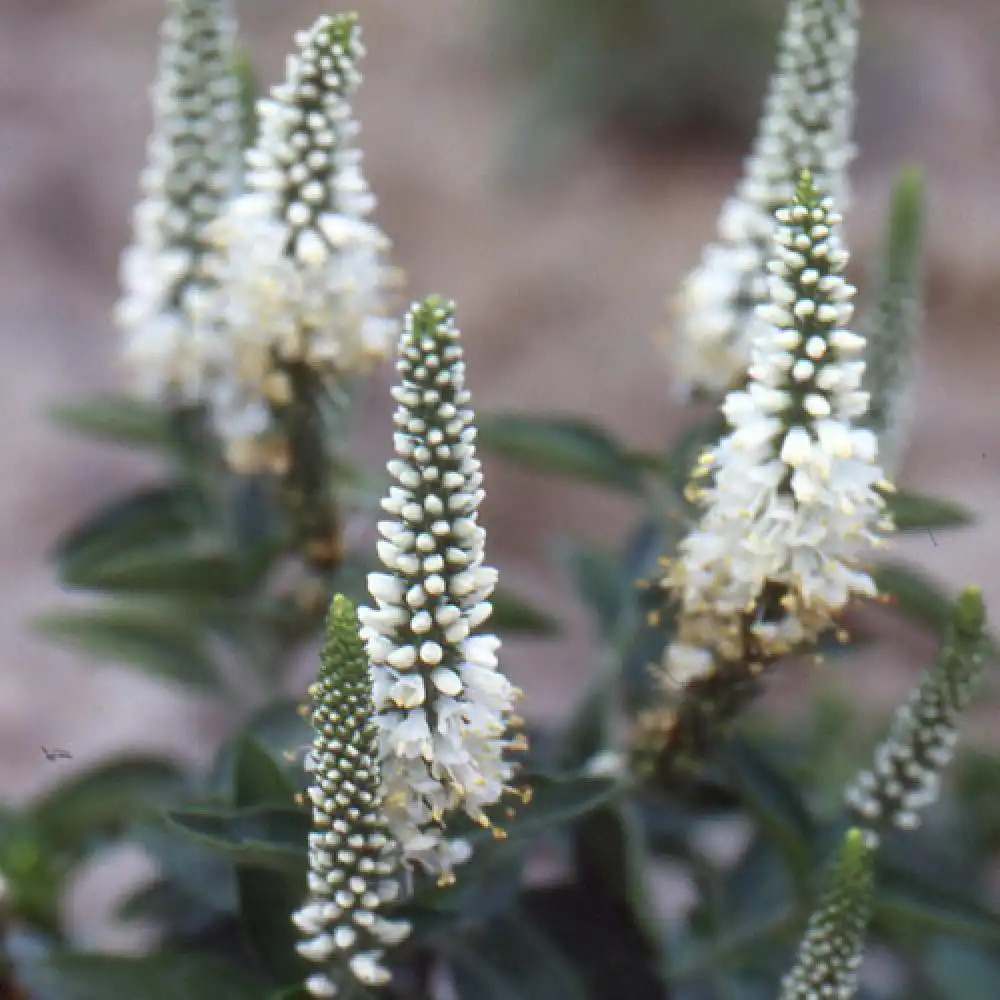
806 125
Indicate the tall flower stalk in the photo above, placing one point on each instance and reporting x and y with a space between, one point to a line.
806 125
303 286
354 860
791 505
444 707
906 775
831 950
193 168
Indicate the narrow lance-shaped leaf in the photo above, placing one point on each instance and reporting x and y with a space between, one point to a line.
893 326
831 950
906 774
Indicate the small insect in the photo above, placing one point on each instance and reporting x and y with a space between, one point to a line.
56 753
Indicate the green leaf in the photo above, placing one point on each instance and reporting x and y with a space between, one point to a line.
960 970
267 901
908 898
192 566
915 596
513 614
154 638
919 512
103 800
120 419
153 977
258 780
561 446
597 578
148 517
602 944
774 802
589 729
611 862
265 836
556 801
509 959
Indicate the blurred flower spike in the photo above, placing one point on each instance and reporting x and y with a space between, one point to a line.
193 169
806 125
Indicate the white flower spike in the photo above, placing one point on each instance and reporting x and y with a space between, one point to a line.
193 168
444 707
354 861
301 268
806 125
792 504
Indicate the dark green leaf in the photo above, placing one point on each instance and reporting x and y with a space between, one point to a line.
915 596
103 800
556 801
266 836
509 959
194 566
588 731
612 958
201 875
918 512
597 578
154 977
267 900
513 614
961 970
257 778
156 639
148 517
561 446
120 419
774 802
611 862
907 898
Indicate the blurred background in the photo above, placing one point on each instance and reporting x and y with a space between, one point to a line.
555 166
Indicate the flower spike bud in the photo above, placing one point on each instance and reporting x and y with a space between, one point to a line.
806 125
831 950
354 861
906 775
893 327
301 268
444 707
193 168
791 503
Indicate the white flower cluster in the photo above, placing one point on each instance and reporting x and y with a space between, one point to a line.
444 708
806 125
831 950
792 502
193 168
301 269
354 861
906 776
